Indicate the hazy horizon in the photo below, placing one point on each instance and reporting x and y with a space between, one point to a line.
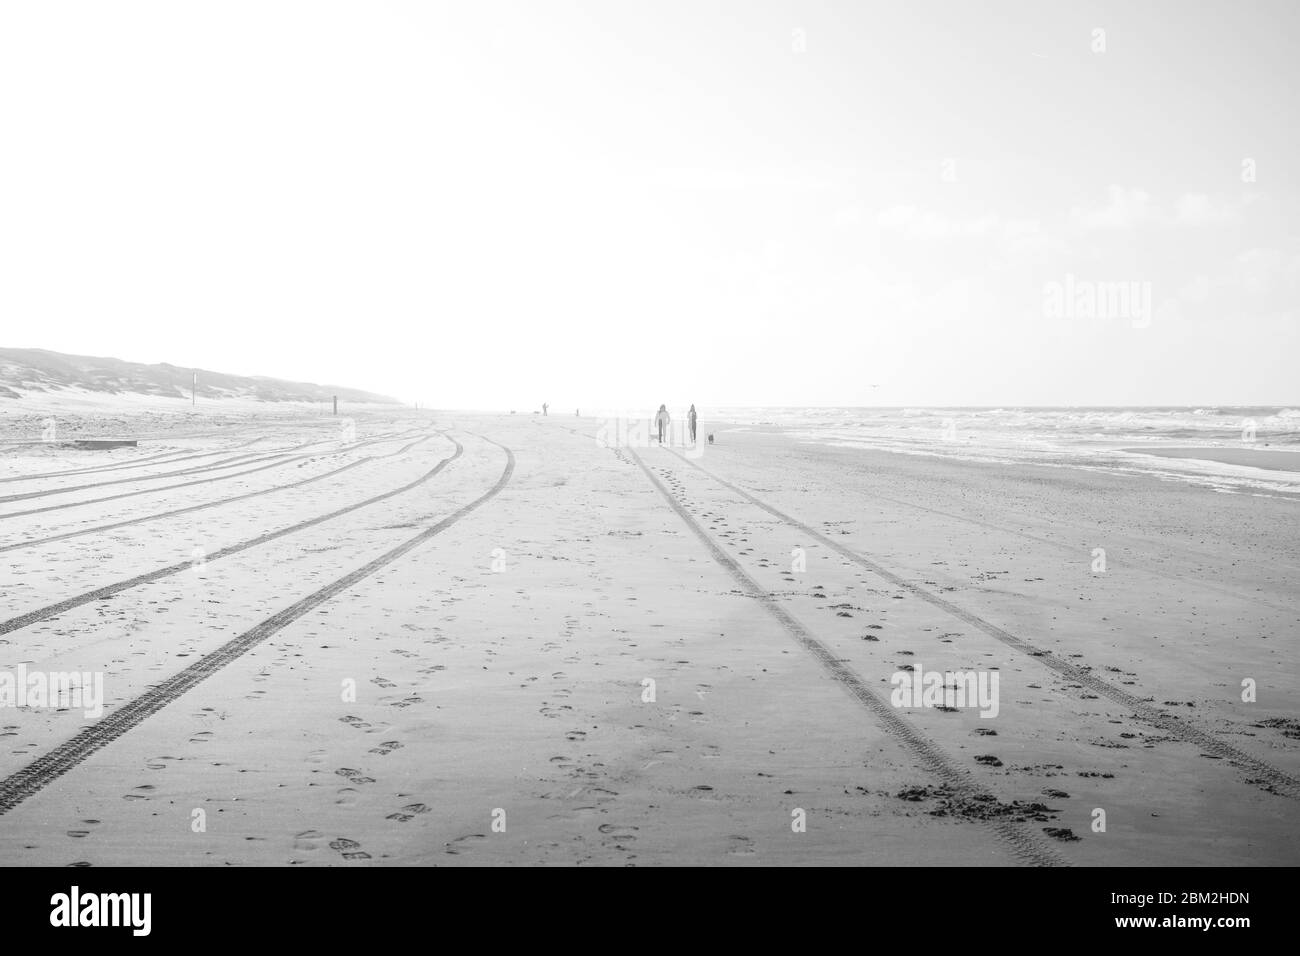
598 408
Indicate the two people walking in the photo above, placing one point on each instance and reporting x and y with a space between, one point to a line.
663 420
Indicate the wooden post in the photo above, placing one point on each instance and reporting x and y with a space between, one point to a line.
336 404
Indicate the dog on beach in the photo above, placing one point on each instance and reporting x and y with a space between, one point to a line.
710 438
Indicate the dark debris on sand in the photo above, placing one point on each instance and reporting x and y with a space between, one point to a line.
1289 726
1061 833
977 806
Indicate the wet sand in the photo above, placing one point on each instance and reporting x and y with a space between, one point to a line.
1254 456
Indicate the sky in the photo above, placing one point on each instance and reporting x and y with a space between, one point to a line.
616 204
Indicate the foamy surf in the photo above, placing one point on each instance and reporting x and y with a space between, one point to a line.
1211 447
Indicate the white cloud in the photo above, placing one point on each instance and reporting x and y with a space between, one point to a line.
1260 271
1131 208
928 224
1258 281
1198 209
1124 209
739 179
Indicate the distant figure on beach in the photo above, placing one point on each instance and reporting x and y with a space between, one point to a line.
661 421
544 407
690 418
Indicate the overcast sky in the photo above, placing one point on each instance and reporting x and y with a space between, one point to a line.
491 205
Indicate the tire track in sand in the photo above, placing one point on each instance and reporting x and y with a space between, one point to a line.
1273 777
40 614
1023 843
251 458
210 504
248 458
201 481
47 768
172 456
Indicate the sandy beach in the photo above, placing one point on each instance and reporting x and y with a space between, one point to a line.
433 638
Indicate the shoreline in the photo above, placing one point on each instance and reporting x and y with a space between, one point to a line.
1257 456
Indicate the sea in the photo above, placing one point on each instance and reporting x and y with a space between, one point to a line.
1102 438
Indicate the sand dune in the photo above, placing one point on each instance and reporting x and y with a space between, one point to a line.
54 376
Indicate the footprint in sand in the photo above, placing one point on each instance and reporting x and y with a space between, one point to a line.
461 844
354 776
202 737
614 829
617 836
408 812
382 682
740 846
387 747
142 792
350 849
308 840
